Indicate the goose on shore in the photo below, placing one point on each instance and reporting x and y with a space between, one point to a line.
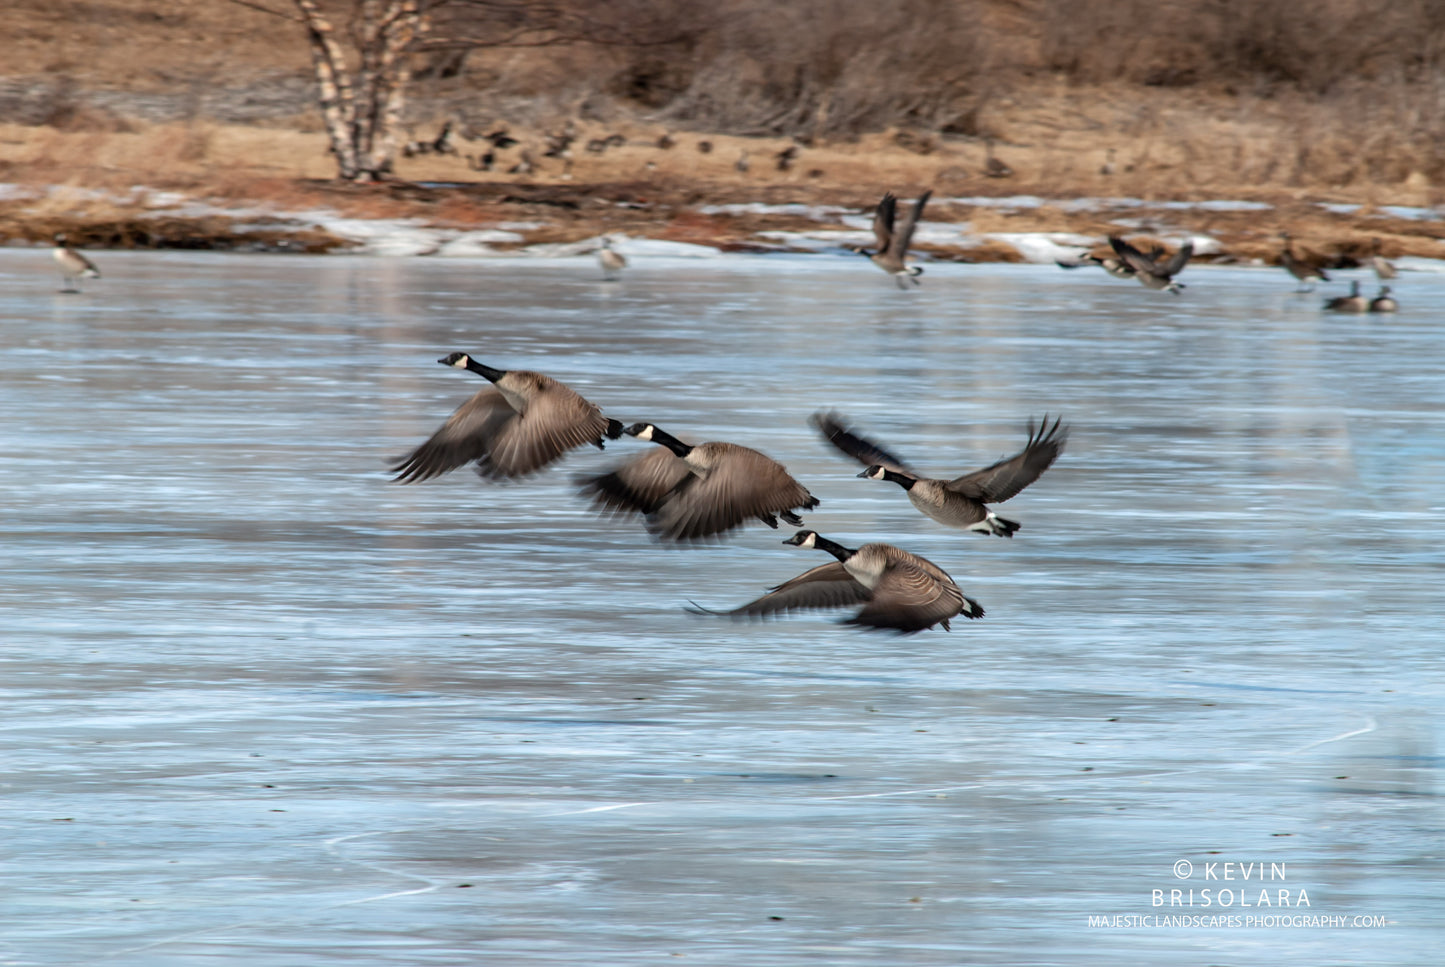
898 591
690 493
73 265
517 426
1307 272
611 260
1154 271
994 167
1354 302
960 502
893 241
1384 302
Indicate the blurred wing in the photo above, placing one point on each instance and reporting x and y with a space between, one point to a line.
883 221
1132 257
637 486
736 490
86 265
465 436
1002 480
1181 258
825 586
908 599
904 238
865 451
554 422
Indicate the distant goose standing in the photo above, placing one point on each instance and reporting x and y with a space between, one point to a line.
1154 271
1384 302
1354 302
960 502
73 265
893 243
995 167
516 427
899 591
1384 270
690 493
611 260
1305 271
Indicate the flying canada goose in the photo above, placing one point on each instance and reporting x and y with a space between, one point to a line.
1109 263
1154 271
893 245
689 493
611 260
959 502
514 428
73 265
1384 270
1354 302
899 591
1307 272
1384 302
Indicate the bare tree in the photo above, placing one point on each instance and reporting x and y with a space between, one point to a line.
362 96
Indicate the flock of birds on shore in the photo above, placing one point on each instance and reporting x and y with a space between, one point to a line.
688 493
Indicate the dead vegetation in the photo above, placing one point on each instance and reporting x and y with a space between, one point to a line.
1152 99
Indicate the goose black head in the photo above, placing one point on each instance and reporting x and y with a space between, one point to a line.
874 472
643 431
803 539
459 360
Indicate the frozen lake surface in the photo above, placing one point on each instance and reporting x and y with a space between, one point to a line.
263 706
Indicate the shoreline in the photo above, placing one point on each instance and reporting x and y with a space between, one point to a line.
521 219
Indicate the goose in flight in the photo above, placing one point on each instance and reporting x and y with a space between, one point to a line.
960 502
892 241
690 493
1307 272
1154 272
517 426
897 590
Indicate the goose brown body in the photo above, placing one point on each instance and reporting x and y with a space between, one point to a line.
522 423
73 265
1354 302
898 590
1153 270
893 240
960 502
1304 270
689 493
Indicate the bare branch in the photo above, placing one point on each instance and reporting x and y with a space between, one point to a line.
264 9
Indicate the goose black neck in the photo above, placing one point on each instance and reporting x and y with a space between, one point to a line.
833 547
663 438
482 369
901 479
